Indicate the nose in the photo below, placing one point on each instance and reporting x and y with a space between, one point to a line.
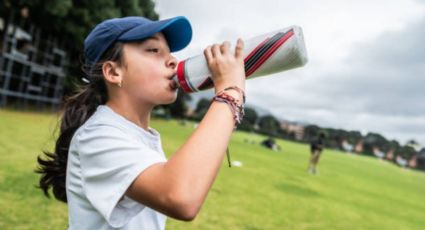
172 62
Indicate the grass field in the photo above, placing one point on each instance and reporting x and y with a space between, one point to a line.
272 190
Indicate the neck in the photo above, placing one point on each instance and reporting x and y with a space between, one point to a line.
139 115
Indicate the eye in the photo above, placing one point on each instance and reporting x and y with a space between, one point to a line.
154 50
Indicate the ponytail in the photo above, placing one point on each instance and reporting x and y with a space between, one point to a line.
76 111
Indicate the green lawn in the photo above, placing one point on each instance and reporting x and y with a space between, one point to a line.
270 191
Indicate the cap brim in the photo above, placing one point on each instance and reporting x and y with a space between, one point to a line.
177 32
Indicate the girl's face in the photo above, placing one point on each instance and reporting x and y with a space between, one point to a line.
148 69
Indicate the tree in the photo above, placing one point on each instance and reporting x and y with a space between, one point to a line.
311 132
407 151
179 108
354 137
73 19
335 137
201 108
268 124
421 159
248 122
394 145
375 140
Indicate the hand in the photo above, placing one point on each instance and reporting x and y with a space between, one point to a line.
227 68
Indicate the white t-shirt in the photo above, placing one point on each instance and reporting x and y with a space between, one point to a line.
105 155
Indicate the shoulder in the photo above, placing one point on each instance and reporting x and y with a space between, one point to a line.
103 130
101 126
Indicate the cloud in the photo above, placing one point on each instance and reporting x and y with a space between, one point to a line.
380 88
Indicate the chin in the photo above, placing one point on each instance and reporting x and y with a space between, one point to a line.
170 100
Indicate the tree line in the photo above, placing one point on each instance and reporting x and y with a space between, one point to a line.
370 144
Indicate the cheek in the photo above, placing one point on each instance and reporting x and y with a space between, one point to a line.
146 81
144 73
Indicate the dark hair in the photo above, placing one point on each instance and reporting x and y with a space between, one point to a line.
77 109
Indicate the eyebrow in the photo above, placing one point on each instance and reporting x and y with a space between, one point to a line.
153 37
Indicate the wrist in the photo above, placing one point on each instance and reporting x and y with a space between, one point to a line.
235 95
221 87
235 105
233 91
225 82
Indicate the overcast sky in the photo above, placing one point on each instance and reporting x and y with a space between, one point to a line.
366 68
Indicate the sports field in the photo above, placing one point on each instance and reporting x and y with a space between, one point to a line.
272 190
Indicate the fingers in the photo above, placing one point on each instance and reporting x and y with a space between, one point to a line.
225 47
216 51
208 54
239 49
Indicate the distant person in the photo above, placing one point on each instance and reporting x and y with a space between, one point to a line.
316 147
270 143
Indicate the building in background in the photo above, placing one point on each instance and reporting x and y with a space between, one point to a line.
293 128
32 65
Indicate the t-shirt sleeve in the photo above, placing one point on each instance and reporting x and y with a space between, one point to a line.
110 161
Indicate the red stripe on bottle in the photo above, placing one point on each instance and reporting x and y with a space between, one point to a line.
255 49
182 78
270 52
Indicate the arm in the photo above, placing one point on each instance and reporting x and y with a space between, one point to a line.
179 187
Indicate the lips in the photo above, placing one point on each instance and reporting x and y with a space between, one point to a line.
171 77
173 85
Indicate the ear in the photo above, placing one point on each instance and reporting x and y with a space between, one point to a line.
112 72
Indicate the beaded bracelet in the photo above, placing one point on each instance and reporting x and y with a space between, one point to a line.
239 90
237 110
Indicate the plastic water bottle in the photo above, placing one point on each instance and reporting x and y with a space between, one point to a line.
265 54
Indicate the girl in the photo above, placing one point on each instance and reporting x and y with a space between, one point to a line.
108 163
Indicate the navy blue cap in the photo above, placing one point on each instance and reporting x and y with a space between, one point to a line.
177 32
